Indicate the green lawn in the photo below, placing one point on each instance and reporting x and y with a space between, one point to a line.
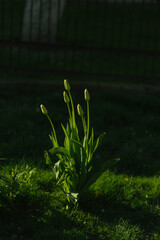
124 203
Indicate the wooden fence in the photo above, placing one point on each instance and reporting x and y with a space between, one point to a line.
115 38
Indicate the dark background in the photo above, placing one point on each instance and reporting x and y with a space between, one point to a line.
107 40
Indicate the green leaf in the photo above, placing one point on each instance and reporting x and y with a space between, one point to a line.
83 168
61 179
101 137
54 142
98 142
46 155
67 138
66 187
60 150
77 142
96 173
83 162
65 132
73 197
74 132
85 142
57 169
75 153
91 140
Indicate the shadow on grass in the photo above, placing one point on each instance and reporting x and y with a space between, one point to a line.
112 212
38 219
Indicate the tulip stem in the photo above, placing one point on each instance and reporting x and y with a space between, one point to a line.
87 119
70 116
73 113
84 125
54 132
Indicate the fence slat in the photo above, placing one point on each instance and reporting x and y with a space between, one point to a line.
10 33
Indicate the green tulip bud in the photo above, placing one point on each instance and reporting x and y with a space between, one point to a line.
86 95
66 85
43 109
66 98
80 110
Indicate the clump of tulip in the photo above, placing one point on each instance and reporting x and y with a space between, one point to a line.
74 165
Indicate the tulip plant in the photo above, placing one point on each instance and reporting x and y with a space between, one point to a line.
74 165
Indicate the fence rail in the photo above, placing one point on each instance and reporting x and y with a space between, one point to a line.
116 38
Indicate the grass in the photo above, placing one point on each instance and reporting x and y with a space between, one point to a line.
124 26
123 204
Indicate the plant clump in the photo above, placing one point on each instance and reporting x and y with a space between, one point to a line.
74 165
